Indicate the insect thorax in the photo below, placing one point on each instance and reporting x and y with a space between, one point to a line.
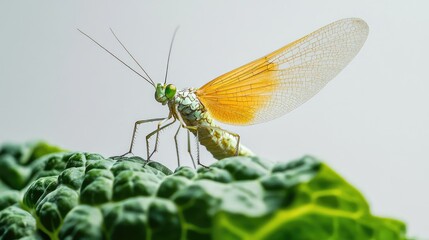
189 107
219 143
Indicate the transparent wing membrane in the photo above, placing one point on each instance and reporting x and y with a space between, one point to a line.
279 82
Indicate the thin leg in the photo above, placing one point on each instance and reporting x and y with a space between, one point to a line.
196 128
177 145
182 123
159 128
189 150
136 124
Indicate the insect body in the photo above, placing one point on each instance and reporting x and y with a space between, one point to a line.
259 91
186 107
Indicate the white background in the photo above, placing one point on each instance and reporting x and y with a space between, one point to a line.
370 123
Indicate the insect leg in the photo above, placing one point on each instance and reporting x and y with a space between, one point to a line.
136 124
177 146
183 124
236 135
189 150
159 128
195 128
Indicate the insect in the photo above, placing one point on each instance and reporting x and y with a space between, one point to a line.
259 91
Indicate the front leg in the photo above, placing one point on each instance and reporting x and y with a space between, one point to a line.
159 128
136 124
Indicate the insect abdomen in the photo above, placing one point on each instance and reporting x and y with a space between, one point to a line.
220 144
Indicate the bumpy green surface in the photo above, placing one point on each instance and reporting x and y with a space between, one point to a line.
69 195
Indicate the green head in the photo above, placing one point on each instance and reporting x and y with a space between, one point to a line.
165 93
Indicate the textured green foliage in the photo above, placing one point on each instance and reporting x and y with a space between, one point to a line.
69 195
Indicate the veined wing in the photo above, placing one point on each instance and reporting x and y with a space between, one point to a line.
279 82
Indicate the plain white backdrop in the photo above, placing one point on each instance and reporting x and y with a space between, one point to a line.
370 123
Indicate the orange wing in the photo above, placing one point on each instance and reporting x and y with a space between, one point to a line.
279 82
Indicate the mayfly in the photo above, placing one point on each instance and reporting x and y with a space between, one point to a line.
259 91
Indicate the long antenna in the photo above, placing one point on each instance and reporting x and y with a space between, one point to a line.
169 54
116 57
131 56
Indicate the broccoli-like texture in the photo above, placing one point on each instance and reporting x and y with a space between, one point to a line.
75 195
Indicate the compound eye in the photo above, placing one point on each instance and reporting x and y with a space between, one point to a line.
170 91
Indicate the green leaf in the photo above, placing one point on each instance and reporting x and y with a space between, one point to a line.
74 195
